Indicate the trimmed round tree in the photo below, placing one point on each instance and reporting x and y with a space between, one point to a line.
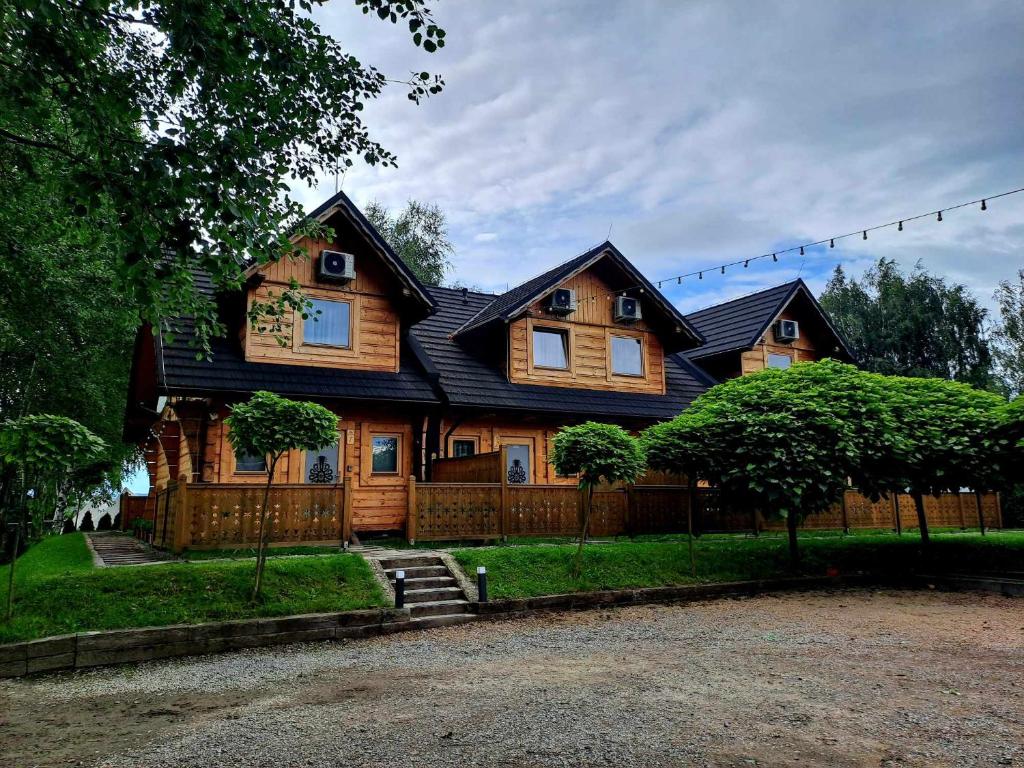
270 425
946 431
41 449
596 452
772 441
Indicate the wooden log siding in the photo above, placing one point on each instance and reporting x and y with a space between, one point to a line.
141 507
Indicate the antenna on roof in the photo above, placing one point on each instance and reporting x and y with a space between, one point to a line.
610 225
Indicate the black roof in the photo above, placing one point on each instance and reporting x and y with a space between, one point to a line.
509 304
740 323
470 380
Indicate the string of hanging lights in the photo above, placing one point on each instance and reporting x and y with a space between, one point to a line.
831 240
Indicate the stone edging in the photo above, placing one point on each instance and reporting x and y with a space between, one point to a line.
93 649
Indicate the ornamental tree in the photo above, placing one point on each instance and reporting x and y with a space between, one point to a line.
948 430
596 452
40 452
771 441
269 425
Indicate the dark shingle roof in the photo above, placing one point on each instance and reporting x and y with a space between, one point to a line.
468 380
740 323
509 304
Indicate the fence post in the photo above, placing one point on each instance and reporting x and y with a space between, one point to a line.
182 523
410 520
630 508
346 510
506 496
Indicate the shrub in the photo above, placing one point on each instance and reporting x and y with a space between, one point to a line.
87 525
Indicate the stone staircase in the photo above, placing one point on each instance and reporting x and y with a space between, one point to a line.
432 595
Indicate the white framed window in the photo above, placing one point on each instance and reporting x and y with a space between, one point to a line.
551 348
776 360
385 454
627 356
329 323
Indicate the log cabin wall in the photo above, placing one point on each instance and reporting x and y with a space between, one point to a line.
379 500
374 329
590 330
490 434
803 350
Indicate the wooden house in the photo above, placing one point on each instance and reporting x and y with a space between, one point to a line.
416 372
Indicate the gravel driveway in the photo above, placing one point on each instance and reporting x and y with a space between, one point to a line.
852 678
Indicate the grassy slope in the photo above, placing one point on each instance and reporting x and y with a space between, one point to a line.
58 590
545 570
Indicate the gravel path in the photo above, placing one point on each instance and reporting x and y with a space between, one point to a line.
854 678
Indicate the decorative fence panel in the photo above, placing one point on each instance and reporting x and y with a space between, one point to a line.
543 510
227 515
136 508
451 511
481 468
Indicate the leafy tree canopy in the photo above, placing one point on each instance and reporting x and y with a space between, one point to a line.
598 452
911 325
178 125
43 444
1008 338
419 235
268 425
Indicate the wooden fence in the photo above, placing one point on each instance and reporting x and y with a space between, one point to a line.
454 511
227 515
481 468
134 508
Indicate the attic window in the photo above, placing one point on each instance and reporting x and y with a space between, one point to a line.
627 356
551 348
329 323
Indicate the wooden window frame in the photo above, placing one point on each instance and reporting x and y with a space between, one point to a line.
530 441
639 336
304 348
246 472
304 454
474 439
768 358
398 454
645 367
543 371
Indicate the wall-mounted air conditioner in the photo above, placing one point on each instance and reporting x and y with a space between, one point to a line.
562 301
787 330
335 267
627 309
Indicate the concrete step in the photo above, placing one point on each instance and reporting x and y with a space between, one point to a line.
428 622
418 571
413 561
431 583
438 608
432 595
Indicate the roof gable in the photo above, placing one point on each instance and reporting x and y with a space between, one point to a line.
740 323
515 302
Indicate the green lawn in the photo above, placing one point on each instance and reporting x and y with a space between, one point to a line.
529 571
58 590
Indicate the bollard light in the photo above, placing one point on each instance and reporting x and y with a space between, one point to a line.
399 589
481 583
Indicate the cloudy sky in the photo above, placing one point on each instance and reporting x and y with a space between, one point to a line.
703 132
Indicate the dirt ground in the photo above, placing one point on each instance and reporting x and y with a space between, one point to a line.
852 678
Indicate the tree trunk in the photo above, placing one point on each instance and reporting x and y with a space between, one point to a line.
578 565
10 578
794 551
689 532
981 515
264 533
922 519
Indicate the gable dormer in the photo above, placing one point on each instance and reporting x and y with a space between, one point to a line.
591 323
363 298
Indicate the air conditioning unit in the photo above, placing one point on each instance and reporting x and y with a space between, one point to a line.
562 301
627 309
335 267
787 330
